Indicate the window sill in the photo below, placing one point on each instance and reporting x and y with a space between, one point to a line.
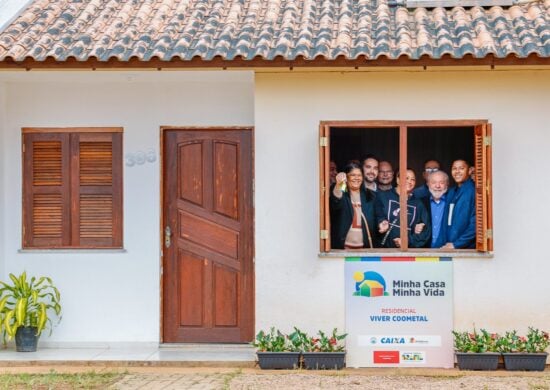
73 250
457 253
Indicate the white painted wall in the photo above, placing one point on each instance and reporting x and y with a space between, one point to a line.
296 287
3 222
114 297
111 297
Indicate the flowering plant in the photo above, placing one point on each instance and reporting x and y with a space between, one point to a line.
326 342
536 341
297 341
272 341
477 342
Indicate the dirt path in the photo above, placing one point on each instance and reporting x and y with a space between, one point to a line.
214 378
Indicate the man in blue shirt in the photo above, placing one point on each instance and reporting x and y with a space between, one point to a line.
438 183
436 203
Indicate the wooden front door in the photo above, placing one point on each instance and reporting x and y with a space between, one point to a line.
208 270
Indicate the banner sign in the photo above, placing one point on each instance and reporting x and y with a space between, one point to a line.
399 312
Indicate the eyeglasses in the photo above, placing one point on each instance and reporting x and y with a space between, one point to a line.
431 170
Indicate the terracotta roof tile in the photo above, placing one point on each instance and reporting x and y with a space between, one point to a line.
291 29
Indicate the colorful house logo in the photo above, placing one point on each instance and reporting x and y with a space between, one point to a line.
369 284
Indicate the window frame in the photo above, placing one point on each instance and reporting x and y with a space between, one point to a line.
70 138
483 171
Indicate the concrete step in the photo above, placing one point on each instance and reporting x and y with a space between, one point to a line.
180 355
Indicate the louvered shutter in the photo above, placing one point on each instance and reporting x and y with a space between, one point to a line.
324 161
483 174
72 188
46 190
96 189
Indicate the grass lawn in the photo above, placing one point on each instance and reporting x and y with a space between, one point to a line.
55 380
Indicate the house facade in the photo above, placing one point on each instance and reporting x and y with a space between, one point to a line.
221 106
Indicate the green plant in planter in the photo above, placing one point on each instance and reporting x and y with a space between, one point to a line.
26 303
327 342
477 342
510 342
298 341
536 341
272 341
524 352
277 350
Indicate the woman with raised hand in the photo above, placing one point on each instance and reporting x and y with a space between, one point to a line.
354 207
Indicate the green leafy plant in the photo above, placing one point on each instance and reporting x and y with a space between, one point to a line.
28 303
272 341
298 340
476 342
509 342
326 342
536 341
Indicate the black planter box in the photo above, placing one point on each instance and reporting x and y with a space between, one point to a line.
477 361
278 360
26 339
324 360
525 361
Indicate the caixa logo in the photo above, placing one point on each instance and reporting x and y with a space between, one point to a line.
392 340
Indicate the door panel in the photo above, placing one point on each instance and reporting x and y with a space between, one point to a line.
226 296
226 180
191 284
191 157
208 275
220 239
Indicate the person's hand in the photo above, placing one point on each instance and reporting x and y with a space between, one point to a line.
418 228
397 242
383 226
341 178
448 245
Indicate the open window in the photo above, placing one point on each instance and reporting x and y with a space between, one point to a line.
408 145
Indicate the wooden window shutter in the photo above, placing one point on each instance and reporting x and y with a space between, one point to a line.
46 190
483 175
96 189
324 190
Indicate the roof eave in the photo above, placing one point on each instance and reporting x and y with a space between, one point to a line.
219 63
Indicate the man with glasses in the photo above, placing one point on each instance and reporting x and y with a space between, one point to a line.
430 166
385 176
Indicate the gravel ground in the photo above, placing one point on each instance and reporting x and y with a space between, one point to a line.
346 381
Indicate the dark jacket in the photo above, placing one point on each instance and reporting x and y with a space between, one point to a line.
342 209
421 192
461 230
386 203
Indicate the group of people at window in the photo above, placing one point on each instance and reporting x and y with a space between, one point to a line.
365 208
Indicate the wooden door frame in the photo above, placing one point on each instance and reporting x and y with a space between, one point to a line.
163 129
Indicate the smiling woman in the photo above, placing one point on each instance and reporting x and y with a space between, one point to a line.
353 210
411 146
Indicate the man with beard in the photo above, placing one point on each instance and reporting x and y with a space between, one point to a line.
370 172
436 203
430 166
